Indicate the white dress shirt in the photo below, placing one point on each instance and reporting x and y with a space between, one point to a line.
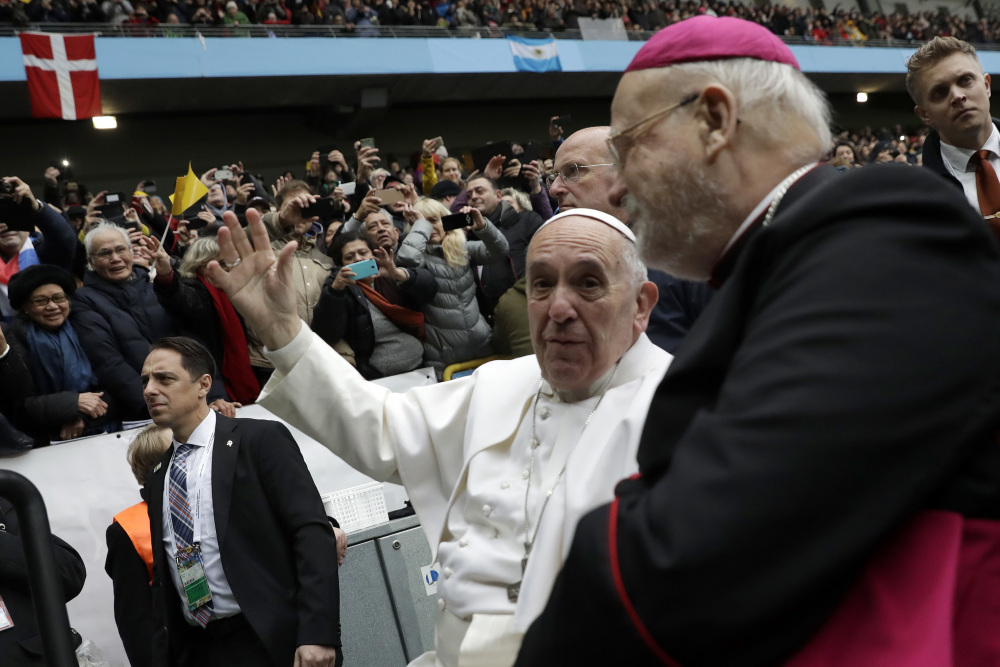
956 161
223 602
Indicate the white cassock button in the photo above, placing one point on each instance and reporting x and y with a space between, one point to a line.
447 572
504 485
524 474
544 413
487 510
463 543
440 604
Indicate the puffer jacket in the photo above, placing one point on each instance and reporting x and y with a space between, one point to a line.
455 329
116 323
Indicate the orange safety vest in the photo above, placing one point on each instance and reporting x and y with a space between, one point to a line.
135 521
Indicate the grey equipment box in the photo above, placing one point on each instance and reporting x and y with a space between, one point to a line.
387 615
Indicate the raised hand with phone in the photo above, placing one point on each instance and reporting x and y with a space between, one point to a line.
292 216
368 160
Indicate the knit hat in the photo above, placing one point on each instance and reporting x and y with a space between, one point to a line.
23 283
445 188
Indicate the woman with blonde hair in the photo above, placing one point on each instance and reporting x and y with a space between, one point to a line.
455 330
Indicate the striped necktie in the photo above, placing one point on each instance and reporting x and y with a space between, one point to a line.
180 516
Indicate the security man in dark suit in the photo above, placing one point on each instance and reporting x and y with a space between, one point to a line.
245 560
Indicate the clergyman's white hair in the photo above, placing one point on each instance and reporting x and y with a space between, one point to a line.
770 95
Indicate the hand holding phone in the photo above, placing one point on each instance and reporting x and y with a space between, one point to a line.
322 208
363 269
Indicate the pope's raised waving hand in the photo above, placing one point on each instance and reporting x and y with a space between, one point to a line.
258 282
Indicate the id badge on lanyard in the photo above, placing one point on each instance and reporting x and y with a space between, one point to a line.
191 568
6 622
190 561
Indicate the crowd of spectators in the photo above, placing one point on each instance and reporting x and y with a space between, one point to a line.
88 284
816 25
91 279
866 146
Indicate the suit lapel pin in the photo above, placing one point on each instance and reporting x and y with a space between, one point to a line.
157 467
229 443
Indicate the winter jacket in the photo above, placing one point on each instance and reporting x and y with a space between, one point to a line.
455 329
39 415
344 314
116 323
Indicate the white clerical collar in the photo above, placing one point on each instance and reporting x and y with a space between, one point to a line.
958 158
633 364
757 211
204 432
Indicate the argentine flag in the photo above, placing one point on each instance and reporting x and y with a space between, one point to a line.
534 55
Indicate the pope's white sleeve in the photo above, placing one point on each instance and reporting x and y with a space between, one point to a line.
316 391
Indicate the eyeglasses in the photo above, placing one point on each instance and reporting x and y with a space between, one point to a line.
107 253
618 148
42 301
570 173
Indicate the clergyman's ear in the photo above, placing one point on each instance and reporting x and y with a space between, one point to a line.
716 112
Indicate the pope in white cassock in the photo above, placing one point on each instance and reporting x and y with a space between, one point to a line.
500 465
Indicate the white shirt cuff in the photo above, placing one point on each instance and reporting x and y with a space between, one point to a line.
285 358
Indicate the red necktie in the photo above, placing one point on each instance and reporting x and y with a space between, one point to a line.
987 184
988 189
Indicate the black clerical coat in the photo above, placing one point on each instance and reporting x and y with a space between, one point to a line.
838 392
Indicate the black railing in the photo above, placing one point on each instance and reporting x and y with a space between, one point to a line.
43 577
386 31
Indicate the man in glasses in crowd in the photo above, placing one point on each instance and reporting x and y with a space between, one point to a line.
517 227
818 483
583 174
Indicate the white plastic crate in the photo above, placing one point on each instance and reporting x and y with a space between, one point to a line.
357 508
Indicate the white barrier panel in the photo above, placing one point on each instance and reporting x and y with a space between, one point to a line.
86 482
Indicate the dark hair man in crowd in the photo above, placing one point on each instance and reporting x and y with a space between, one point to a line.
952 96
582 175
243 573
823 438
517 227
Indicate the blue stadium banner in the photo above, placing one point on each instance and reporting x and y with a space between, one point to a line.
534 55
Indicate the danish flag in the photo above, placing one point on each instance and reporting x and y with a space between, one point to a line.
62 75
